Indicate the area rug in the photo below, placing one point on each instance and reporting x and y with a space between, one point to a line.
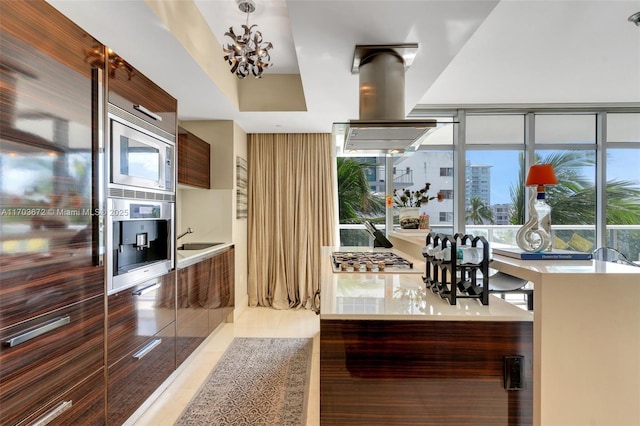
258 381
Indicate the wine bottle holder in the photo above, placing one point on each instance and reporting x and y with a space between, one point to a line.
454 268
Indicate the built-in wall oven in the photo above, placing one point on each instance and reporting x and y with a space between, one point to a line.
140 241
140 209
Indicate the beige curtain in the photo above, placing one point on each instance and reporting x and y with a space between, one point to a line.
290 215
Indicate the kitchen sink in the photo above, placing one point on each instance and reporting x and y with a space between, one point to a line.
197 246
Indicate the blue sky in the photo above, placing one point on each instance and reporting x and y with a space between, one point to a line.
504 171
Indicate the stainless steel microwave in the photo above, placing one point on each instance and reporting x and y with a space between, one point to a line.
140 158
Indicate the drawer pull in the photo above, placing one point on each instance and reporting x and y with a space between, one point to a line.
147 112
51 415
45 328
147 289
142 352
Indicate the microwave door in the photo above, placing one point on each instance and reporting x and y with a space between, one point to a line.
137 159
141 161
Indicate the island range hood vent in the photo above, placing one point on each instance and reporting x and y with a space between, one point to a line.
382 125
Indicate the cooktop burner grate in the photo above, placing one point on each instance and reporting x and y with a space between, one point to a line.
369 261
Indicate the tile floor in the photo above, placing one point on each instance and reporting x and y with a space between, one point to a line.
253 322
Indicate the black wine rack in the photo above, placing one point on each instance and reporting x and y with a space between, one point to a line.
451 278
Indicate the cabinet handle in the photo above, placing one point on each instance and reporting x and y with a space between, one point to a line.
48 418
142 352
45 328
147 289
147 112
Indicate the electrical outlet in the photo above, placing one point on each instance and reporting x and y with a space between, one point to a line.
514 372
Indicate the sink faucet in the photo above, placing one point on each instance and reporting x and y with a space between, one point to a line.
188 231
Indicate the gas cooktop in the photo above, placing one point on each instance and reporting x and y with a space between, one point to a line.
378 261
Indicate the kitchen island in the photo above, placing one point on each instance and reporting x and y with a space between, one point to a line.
392 352
586 338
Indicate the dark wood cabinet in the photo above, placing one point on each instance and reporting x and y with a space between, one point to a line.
194 160
205 299
37 287
192 313
136 376
47 355
81 405
400 372
55 79
136 94
51 281
221 290
138 313
140 344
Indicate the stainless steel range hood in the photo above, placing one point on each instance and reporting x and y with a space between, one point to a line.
382 125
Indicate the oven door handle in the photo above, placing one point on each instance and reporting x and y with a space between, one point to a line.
145 111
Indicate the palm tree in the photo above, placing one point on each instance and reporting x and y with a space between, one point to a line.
355 199
478 212
573 199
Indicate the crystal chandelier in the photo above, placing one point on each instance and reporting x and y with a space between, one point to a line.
248 52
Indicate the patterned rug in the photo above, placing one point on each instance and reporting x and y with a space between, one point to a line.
258 381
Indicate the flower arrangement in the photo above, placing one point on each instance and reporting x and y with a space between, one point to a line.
407 198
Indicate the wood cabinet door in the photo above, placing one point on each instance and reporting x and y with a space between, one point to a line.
137 375
430 373
192 315
221 291
137 313
136 94
194 160
48 142
82 405
51 287
46 356
48 282
205 298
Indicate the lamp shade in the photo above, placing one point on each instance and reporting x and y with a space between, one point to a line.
541 174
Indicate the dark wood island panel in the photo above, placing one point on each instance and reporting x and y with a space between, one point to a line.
423 372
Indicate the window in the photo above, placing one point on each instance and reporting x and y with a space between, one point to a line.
561 128
361 195
623 183
447 194
495 129
623 127
573 199
446 217
496 149
432 174
623 200
493 190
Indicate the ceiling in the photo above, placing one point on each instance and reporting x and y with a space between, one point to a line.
470 52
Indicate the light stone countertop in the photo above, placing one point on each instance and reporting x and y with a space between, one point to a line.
399 296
